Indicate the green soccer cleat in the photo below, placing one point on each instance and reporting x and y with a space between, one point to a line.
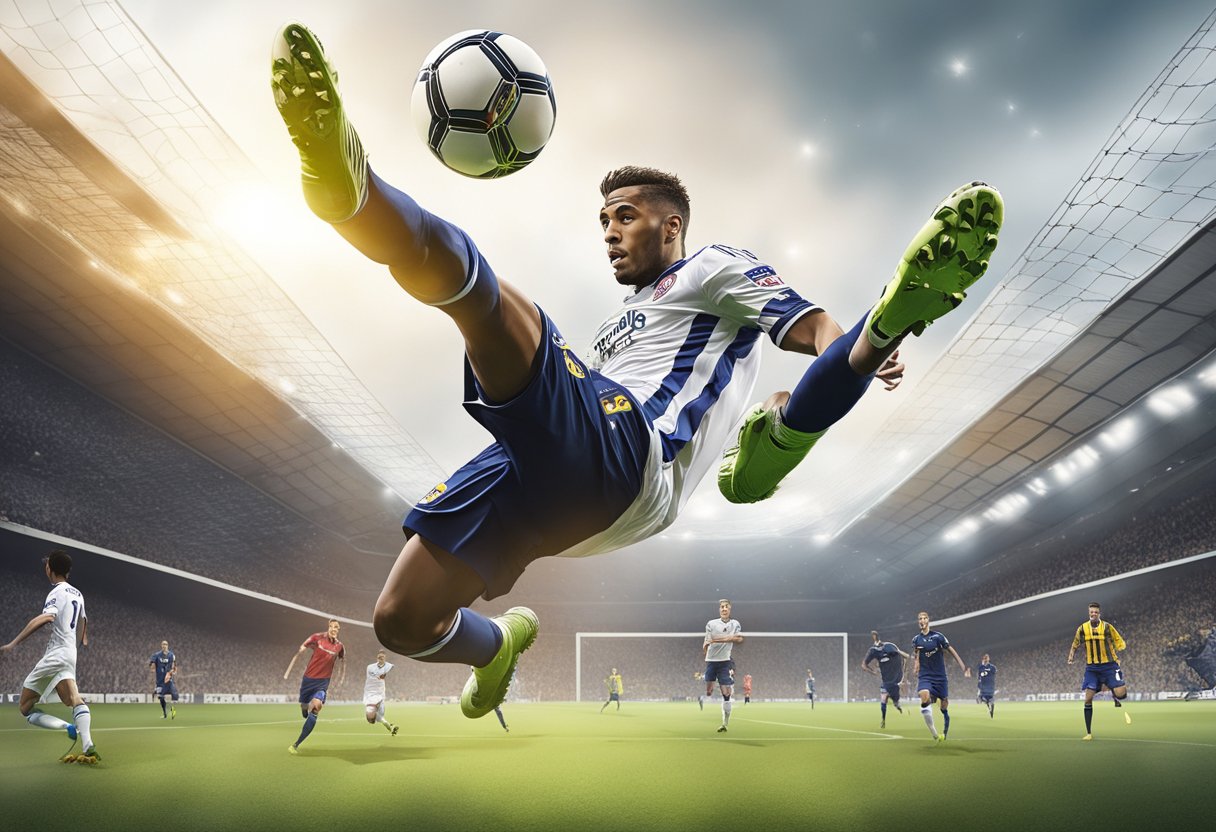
948 255
333 164
940 739
291 749
721 729
755 465
392 730
1087 737
1127 717
172 712
487 686
90 756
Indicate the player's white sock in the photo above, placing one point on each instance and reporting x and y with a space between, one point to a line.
725 711
41 720
927 713
83 720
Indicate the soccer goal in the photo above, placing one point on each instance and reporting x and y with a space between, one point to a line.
667 666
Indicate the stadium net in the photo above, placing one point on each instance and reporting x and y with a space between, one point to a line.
667 666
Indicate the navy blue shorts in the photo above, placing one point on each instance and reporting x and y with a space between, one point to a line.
1107 673
569 457
986 695
168 688
719 672
311 689
891 689
936 685
614 697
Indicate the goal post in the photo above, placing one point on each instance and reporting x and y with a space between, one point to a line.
660 666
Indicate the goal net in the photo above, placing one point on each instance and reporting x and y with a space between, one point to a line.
667 666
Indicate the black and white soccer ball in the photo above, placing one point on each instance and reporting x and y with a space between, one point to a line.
483 103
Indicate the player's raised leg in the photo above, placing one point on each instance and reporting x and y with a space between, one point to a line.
40 719
946 257
430 258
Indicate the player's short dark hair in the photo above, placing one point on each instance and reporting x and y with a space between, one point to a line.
722 601
60 562
656 185
1095 605
335 621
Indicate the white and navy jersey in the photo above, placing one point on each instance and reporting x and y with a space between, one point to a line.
688 348
373 685
931 647
987 677
67 605
716 628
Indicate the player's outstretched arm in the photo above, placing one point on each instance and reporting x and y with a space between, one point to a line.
29 630
300 652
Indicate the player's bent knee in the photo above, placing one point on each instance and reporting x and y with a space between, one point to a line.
404 627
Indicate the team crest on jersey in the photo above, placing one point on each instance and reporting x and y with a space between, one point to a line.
434 494
573 366
664 284
616 404
764 276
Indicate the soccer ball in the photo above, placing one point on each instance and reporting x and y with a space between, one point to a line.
483 103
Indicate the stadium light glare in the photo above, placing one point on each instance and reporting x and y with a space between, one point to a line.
1008 508
175 297
961 529
286 385
1119 435
1038 486
1207 377
1170 402
822 538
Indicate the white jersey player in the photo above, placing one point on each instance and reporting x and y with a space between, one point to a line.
64 611
721 635
687 348
373 693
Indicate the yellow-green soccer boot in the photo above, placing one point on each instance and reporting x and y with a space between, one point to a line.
487 686
332 162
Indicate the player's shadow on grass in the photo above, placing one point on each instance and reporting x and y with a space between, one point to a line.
960 749
368 756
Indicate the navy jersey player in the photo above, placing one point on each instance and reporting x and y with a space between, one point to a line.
593 456
986 674
890 660
929 649
721 635
164 667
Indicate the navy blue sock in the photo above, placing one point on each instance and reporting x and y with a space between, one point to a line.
829 388
1089 717
945 721
310 722
163 709
884 709
472 639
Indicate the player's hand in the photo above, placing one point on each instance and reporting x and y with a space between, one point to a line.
891 373
1070 659
966 673
284 677
6 648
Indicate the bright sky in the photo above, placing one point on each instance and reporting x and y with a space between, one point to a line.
817 134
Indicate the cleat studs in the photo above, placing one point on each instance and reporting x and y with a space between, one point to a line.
297 91
965 226
323 95
305 55
945 245
925 254
990 241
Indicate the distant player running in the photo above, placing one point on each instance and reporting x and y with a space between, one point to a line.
64 611
721 635
929 666
373 693
164 667
326 650
891 663
986 672
592 457
1101 641
747 688
616 688
810 687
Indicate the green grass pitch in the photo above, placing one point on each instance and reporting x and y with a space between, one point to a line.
648 766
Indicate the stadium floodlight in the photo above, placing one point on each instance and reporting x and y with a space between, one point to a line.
175 297
822 538
1170 402
1207 377
1039 486
1119 435
961 529
1008 508
659 666
286 385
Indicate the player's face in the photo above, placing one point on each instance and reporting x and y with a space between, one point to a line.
923 621
1095 615
985 659
642 238
164 647
380 659
334 627
724 611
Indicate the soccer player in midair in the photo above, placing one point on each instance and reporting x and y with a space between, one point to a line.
891 663
929 667
163 665
986 673
721 635
1101 641
326 651
592 456
56 670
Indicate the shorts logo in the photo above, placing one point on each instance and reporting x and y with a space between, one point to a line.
664 284
764 276
573 366
618 404
434 494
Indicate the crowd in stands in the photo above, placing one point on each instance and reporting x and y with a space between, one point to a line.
73 465
1159 536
